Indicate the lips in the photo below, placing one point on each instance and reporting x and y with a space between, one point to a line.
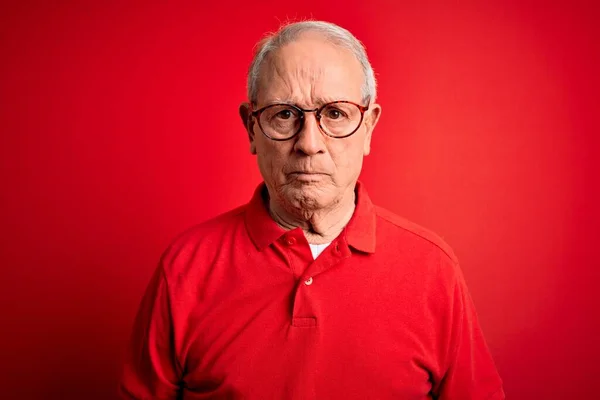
307 173
306 177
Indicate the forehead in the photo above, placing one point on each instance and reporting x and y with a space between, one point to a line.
310 70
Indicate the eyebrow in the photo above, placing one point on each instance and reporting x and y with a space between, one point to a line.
318 103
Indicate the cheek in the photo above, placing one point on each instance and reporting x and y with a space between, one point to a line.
347 154
348 160
271 158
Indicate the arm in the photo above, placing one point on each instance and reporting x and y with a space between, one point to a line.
151 369
471 373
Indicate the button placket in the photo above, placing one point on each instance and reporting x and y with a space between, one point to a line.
303 314
297 252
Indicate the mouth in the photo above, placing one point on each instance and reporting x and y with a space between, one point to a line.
306 176
306 173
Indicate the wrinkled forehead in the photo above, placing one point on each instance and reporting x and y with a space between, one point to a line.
310 71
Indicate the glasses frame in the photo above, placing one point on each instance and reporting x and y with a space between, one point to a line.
257 113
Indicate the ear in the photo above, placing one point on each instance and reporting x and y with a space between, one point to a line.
371 119
245 111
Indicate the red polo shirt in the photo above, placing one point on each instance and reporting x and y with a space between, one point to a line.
238 309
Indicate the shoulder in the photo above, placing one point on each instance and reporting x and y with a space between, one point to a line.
202 240
397 227
431 261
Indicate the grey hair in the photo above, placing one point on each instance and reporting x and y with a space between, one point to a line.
290 32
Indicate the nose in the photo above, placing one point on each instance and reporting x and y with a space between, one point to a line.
310 140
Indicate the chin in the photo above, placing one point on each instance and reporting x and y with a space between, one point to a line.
308 197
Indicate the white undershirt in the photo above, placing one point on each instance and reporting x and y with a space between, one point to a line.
317 249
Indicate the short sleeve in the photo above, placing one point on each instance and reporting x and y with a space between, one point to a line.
151 370
471 373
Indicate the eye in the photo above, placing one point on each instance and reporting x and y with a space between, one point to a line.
284 114
333 113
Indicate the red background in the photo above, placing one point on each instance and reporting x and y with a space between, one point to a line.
119 130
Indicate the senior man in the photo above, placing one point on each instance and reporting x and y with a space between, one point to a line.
309 291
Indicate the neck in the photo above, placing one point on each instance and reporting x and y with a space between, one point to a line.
319 225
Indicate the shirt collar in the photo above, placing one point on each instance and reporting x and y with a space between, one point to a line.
361 229
263 230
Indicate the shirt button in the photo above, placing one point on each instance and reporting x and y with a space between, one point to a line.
291 241
309 281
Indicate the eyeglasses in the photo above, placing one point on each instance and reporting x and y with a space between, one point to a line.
338 119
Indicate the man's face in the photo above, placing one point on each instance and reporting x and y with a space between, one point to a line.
311 171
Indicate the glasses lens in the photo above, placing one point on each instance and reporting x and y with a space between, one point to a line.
280 121
340 119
